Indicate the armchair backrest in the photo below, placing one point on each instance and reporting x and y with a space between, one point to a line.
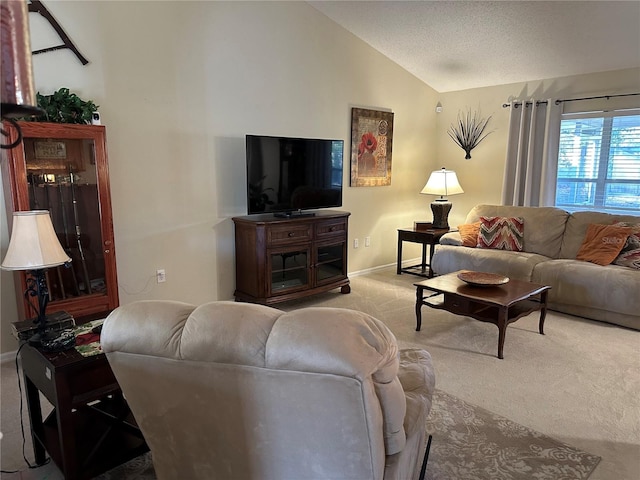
235 390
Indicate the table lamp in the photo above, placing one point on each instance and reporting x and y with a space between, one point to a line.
442 182
34 247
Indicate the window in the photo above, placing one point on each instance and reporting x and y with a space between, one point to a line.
337 147
599 162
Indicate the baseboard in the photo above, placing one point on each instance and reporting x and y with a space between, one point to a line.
411 261
357 273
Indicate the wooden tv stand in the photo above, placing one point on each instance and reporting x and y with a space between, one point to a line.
281 259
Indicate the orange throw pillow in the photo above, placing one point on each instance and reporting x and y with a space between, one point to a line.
603 243
469 234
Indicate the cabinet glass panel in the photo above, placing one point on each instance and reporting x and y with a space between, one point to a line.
330 262
62 178
289 270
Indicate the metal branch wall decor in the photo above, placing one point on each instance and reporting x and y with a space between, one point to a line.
469 131
36 6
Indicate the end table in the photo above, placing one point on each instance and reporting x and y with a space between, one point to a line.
427 236
91 428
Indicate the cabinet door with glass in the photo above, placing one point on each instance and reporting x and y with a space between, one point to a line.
330 264
63 168
289 270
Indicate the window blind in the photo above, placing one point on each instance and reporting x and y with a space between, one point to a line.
599 161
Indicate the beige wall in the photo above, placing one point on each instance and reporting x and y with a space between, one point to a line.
179 84
481 177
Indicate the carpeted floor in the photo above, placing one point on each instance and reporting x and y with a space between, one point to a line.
472 443
579 384
469 443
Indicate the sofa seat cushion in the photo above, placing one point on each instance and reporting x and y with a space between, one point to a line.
516 265
600 292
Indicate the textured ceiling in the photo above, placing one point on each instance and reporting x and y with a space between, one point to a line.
456 45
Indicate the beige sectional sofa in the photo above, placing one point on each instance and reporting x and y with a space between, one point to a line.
552 238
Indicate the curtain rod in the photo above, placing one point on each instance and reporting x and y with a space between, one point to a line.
558 102
516 104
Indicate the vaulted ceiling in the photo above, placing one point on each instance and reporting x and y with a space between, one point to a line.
457 45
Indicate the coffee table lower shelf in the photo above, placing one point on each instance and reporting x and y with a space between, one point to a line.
500 305
485 313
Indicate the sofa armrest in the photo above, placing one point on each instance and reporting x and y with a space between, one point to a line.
451 238
417 377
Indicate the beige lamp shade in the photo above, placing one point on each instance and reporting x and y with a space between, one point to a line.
34 244
442 182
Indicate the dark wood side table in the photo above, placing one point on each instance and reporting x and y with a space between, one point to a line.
425 235
91 428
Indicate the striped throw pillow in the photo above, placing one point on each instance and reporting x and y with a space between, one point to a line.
502 233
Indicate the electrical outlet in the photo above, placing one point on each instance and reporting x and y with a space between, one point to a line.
367 241
355 243
161 276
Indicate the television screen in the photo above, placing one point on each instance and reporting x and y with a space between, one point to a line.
288 175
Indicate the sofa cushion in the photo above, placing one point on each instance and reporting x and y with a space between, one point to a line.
469 234
577 225
502 233
630 253
607 293
516 265
545 225
451 238
603 243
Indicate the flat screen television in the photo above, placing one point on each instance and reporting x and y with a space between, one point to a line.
288 176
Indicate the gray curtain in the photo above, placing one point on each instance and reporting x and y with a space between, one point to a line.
532 153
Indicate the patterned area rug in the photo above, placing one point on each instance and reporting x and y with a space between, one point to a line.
469 443
140 468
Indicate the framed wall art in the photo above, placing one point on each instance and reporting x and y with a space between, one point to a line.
371 142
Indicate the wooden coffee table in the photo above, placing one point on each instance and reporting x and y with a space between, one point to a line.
500 305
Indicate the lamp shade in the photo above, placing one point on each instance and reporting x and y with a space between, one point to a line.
34 244
442 182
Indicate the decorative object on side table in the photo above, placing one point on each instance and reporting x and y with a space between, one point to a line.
469 131
34 247
444 183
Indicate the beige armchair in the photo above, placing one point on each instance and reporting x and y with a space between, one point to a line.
242 391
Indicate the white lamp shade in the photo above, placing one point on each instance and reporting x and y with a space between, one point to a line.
442 182
34 244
